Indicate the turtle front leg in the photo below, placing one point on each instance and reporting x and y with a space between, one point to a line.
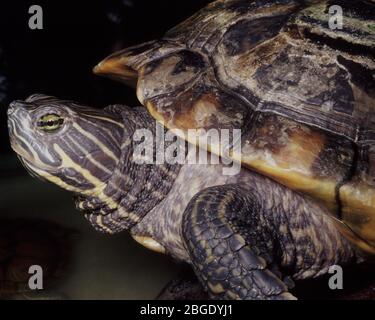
232 246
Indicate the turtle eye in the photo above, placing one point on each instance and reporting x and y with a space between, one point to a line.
50 122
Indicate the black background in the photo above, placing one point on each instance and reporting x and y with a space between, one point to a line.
77 34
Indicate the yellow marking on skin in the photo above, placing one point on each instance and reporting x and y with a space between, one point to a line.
91 137
129 215
217 289
81 205
104 119
210 257
131 197
90 157
156 193
55 180
223 206
240 239
126 143
35 155
101 127
168 173
231 295
99 221
98 190
116 223
118 188
202 244
129 180
149 243
21 151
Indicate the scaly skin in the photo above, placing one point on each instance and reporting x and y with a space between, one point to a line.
242 234
239 247
301 92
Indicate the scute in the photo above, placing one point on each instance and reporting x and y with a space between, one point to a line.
302 94
301 79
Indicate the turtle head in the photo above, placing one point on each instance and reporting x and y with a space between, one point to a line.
73 146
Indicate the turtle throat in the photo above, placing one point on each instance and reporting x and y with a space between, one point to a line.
134 188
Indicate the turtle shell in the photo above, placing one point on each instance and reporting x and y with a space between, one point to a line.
300 87
24 243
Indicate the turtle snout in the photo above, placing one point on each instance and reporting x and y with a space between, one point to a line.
18 115
15 106
12 108
19 110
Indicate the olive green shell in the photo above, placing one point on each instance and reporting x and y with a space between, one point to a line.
300 86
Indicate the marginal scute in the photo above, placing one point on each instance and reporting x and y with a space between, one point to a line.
308 87
302 94
200 107
358 203
177 71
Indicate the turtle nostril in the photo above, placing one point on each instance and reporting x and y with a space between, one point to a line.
18 103
13 106
10 110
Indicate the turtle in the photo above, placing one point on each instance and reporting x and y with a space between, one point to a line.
295 95
28 242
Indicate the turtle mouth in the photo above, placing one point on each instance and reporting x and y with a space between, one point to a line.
29 163
29 167
15 143
21 153
28 160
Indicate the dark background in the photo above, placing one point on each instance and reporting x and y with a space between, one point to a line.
58 61
76 36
